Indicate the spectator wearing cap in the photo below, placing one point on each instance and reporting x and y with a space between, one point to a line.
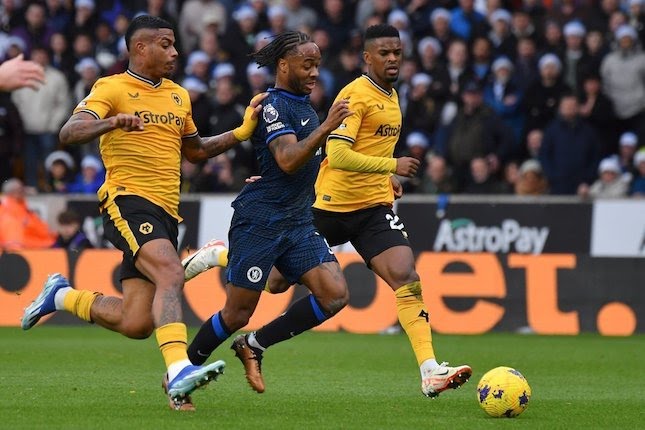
542 97
59 166
609 184
505 97
574 54
36 31
277 15
430 52
198 65
440 25
20 228
475 131
627 147
437 178
258 79
622 73
201 104
11 136
422 110
195 17
239 38
597 110
501 35
398 19
42 112
89 71
637 188
85 17
569 151
466 22
417 146
299 16
90 178
531 180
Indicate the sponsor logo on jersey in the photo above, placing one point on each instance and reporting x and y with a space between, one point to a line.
150 117
273 127
269 113
388 130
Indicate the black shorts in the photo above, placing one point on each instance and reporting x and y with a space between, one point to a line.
129 222
371 231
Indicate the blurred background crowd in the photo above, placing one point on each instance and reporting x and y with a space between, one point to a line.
528 97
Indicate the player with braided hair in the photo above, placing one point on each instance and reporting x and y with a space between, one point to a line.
272 220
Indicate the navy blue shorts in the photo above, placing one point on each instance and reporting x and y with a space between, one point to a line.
255 249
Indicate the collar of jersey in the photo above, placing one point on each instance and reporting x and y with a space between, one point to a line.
378 87
146 80
289 94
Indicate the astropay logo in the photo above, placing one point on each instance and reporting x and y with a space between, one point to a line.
463 235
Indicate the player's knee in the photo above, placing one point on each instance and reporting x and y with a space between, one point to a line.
235 319
404 275
336 301
138 329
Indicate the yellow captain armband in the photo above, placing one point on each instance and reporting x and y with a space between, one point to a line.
341 156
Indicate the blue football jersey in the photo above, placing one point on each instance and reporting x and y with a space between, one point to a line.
280 200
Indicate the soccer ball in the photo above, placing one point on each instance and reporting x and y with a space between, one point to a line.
503 392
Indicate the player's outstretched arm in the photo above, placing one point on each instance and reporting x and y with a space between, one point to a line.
341 156
83 127
18 73
196 148
291 154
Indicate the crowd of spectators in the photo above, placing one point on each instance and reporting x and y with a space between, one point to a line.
500 96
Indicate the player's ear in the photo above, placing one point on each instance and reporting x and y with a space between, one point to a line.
367 58
283 65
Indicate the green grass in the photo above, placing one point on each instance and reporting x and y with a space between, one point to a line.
87 378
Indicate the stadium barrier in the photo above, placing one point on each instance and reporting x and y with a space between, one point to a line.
486 265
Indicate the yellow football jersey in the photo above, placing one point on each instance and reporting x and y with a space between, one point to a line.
373 129
144 163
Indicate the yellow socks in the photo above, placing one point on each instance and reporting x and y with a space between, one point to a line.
413 317
173 341
79 303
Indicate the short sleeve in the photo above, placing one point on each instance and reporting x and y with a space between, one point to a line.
99 102
276 120
348 130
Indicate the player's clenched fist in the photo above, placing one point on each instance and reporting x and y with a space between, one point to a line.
126 122
337 113
407 166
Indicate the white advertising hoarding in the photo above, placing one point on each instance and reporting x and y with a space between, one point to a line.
618 228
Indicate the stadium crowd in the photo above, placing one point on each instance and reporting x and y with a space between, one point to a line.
525 97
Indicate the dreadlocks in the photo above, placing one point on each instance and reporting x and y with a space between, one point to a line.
279 47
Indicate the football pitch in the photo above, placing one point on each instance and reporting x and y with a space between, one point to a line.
59 377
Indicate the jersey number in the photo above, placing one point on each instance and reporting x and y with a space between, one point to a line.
395 222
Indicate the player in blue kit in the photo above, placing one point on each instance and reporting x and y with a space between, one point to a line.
272 220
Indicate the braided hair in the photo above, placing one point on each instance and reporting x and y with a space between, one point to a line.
279 47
